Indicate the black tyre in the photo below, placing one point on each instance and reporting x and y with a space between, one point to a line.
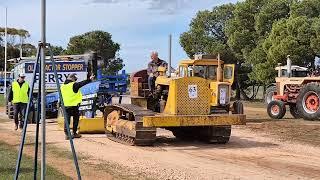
308 101
268 97
294 111
276 109
238 107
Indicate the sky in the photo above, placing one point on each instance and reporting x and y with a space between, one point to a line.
139 26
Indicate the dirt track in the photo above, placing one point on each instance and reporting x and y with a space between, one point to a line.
250 154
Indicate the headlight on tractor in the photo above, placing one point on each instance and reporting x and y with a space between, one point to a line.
223 94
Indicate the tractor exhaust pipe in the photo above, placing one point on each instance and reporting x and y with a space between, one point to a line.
169 54
279 71
289 72
219 70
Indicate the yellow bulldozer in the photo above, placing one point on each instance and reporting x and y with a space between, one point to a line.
194 104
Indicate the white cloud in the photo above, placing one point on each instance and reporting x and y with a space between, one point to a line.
162 6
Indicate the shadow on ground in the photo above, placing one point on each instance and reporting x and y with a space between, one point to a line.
234 143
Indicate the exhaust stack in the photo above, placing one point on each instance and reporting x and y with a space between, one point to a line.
219 70
289 72
279 71
169 54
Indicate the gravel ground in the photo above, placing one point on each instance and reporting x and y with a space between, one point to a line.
250 154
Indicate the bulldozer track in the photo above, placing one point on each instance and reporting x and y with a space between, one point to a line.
146 136
139 135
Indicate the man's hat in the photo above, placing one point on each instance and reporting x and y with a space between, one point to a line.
22 75
72 76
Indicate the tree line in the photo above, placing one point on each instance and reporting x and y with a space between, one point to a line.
257 35
99 41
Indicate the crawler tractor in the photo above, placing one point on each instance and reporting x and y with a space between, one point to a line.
301 94
195 104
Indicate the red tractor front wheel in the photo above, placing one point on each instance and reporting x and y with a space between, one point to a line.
276 109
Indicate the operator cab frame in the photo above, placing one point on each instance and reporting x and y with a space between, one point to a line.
206 68
297 71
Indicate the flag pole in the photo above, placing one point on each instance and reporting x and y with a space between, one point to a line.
5 54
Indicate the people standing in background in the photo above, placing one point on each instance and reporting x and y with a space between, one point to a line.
72 98
19 97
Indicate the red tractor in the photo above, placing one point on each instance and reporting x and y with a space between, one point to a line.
300 93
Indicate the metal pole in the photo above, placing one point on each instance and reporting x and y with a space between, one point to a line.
5 55
25 122
43 95
36 149
169 68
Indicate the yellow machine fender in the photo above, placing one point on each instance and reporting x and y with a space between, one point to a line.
86 125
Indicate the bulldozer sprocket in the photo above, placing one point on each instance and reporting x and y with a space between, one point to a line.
128 127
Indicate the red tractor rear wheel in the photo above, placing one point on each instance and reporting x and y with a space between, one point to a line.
308 101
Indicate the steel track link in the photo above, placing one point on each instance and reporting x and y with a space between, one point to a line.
141 136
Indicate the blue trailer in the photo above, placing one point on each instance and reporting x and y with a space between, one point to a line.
95 95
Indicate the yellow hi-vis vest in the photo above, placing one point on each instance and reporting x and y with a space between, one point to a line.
69 97
20 94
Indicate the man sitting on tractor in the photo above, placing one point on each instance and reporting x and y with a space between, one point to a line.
153 69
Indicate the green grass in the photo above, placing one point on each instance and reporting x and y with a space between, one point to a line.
8 157
2 100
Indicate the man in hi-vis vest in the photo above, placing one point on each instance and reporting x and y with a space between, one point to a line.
72 98
19 96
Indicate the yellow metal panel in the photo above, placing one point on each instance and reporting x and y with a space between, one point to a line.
171 107
163 80
214 93
91 125
179 101
189 120
86 125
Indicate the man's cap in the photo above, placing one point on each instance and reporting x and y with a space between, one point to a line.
22 75
72 76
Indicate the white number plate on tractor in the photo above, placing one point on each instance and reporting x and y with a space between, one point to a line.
193 91
223 94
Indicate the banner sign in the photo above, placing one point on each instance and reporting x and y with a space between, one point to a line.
64 69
